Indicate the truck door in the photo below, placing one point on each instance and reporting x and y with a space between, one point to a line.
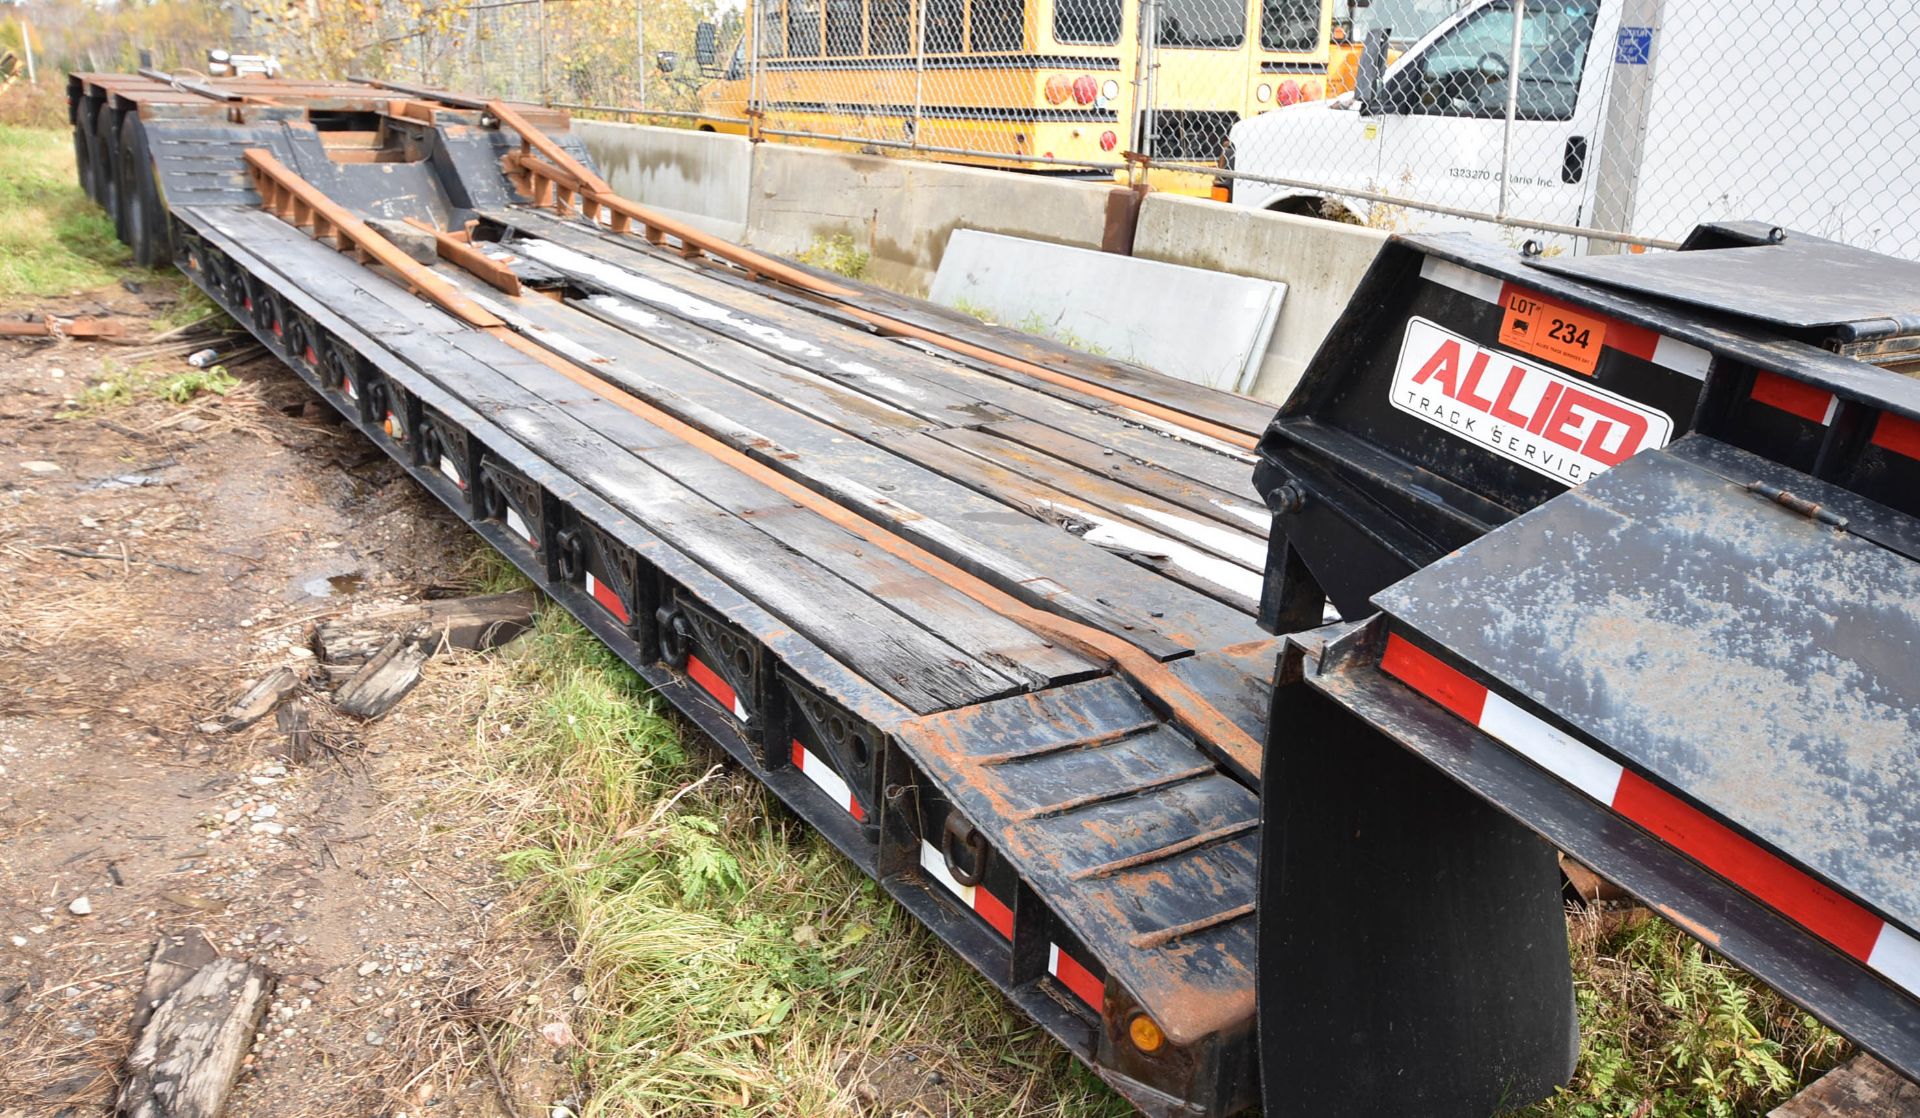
1442 111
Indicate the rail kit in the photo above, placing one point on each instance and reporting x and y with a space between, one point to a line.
1087 666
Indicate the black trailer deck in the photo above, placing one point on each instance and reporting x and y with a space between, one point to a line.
847 557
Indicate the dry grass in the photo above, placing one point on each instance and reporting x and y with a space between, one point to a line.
733 962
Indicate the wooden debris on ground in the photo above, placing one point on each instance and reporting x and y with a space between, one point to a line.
295 722
176 958
50 326
1863 1087
188 1054
386 678
257 702
472 624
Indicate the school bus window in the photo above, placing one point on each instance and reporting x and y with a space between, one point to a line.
773 29
843 28
891 26
998 24
945 20
1290 25
1201 23
1086 21
803 28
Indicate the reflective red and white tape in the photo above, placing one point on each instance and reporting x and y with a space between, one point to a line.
1839 921
711 682
1891 432
519 525
452 471
609 601
1635 341
828 781
1074 976
990 908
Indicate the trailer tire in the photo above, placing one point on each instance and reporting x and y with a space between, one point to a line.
146 228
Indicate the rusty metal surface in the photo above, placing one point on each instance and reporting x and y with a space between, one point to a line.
1132 834
1754 659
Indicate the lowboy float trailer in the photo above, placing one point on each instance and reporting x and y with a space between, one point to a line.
1007 625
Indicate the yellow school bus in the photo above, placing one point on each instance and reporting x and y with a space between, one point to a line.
1023 82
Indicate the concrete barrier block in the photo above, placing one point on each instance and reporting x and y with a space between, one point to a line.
699 177
1321 262
901 211
1203 326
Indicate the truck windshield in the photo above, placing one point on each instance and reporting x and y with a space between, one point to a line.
1465 71
1201 23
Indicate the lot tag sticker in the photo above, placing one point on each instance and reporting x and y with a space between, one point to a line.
1562 336
1549 422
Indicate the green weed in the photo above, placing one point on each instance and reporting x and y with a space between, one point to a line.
1037 324
1670 1030
973 309
735 962
183 387
124 385
836 254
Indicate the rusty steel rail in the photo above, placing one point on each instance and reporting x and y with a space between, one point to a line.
294 200
560 181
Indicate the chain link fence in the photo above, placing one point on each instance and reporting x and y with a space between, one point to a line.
1585 125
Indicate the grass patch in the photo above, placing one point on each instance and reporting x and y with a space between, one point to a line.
734 962
1670 1030
53 239
836 254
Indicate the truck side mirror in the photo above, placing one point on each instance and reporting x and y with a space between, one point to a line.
1372 67
705 45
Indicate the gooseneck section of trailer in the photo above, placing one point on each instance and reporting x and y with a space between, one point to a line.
1631 552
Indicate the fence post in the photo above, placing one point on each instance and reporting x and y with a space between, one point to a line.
919 65
1513 102
1146 37
543 52
640 48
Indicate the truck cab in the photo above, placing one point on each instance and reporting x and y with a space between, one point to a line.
1434 128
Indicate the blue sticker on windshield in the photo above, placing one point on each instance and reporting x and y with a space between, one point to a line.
1634 46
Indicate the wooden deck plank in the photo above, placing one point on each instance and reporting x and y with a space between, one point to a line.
936 387
897 655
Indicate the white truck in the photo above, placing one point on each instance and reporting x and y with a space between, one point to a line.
1642 117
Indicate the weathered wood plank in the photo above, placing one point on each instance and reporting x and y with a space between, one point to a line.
176 958
189 1054
937 388
1863 1087
1085 522
472 624
385 679
1223 408
1239 543
1229 506
258 701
